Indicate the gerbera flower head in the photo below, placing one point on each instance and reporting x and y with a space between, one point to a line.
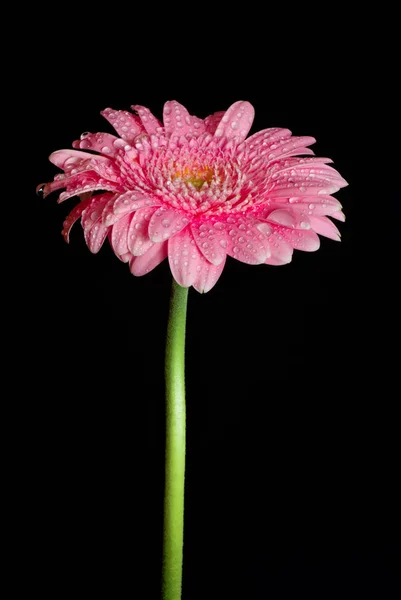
196 190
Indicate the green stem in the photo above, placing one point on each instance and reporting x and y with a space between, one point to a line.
173 537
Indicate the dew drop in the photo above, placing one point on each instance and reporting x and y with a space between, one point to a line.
219 226
223 243
40 190
166 223
311 206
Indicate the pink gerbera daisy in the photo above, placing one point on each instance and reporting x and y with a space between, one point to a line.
196 191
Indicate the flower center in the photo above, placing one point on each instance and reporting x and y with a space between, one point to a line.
194 175
197 180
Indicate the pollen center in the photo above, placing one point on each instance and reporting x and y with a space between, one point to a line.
195 175
196 179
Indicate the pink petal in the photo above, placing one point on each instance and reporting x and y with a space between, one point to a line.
132 200
138 236
302 188
98 142
308 240
176 118
53 186
140 265
338 214
281 251
166 222
73 217
76 163
87 182
94 230
315 205
71 157
289 147
267 136
296 146
95 236
282 217
125 257
119 235
196 126
184 258
106 168
188 265
207 275
108 215
245 241
149 121
305 170
211 239
193 126
237 121
127 125
324 226
212 121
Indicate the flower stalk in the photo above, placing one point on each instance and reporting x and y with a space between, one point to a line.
173 530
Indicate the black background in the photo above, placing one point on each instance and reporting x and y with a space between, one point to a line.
292 372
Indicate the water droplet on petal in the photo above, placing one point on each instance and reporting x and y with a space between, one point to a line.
223 243
218 225
166 223
40 190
